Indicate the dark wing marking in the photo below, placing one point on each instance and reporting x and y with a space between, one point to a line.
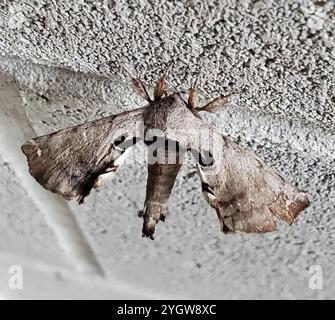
248 196
70 161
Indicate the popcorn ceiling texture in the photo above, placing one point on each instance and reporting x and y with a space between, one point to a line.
280 53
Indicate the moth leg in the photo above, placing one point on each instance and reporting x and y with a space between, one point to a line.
160 87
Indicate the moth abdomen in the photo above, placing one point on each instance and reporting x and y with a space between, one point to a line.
161 178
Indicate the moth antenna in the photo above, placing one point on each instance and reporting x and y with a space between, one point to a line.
139 85
167 69
198 75
160 84
196 81
217 103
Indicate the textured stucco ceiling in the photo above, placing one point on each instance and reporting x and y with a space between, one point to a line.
281 53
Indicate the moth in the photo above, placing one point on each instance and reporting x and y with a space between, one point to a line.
246 194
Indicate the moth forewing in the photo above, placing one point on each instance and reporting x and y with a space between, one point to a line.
70 161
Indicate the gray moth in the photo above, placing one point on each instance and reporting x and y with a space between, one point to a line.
246 194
